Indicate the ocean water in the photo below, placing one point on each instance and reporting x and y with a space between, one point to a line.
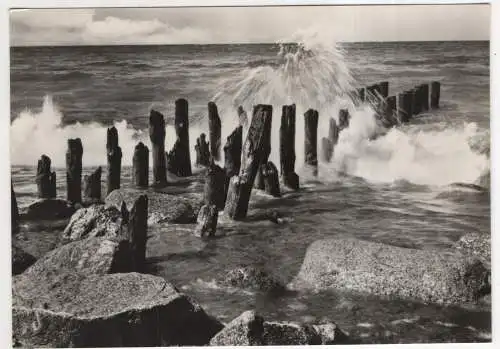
394 188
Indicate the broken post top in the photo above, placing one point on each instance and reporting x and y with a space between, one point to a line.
156 127
43 164
181 111
75 146
112 138
213 113
141 147
312 115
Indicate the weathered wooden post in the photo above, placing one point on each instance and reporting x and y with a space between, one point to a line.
74 170
180 157
92 186
45 179
254 151
140 166
207 221
271 179
138 231
215 182
114 154
232 155
311 140
242 116
343 119
202 151
157 136
435 94
404 106
287 147
361 94
214 130
384 89
417 100
425 97
390 111
259 180
14 211
328 143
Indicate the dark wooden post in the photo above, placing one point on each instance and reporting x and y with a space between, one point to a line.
254 151
361 94
202 151
390 111
215 182
138 231
140 166
266 147
74 170
92 186
214 130
435 94
384 89
14 211
45 179
417 100
232 155
311 140
405 106
425 97
114 154
157 136
343 119
328 143
182 131
271 179
207 221
242 116
287 147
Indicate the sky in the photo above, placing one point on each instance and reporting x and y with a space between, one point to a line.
114 26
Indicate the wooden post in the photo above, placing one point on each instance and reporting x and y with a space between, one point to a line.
384 89
435 94
215 182
361 94
287 147
242 116
183 158
202 151
404 106
138 231
390 111
14 211
254 151
266 147
140 164
271 179
232 155
157 136
425 97
214 130
343 119
74 170
92 186
207 221
45 179
328 143
311 140
417 100
114 154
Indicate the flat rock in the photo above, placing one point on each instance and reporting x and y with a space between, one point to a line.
251 278
92 256
114 310
94 221
162 207
251 329
21 260
374 268
476 244
48 209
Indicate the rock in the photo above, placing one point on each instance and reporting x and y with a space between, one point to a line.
251 329
92 256
162 207
476 244
115 310
21 260
49 209
385 270
249 277
94 221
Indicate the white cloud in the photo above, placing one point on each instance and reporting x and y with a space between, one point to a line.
53 18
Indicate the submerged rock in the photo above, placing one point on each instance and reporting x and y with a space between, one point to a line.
252 278
21 260
162 207
48 209
251 329
94 221
476 244
115 310
385 270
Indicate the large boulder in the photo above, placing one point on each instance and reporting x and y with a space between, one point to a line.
92 256
21 260
114 310
94 221
375 268
476 244
251 329
48 209
162 207
251 278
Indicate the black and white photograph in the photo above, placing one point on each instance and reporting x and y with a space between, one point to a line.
249 175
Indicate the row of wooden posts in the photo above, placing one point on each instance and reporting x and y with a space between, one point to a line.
245 165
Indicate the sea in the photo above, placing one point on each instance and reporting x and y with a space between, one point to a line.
396 186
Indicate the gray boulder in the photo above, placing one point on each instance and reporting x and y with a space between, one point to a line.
162 207
385 270
251 329
251 278
115 310
476 244
49 209
21 260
